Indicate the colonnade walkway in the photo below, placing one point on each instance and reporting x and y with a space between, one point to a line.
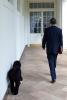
36 77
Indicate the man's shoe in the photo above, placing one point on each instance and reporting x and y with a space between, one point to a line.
53 81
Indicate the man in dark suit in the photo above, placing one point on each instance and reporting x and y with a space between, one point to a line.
53 40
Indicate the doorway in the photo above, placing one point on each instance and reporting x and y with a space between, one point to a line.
39 20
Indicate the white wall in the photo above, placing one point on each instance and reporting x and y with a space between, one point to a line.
27 22
12 40
20 35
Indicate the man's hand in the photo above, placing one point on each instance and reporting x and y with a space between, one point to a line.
60 50
43 46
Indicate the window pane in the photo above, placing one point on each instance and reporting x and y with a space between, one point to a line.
42 5
52 5
35 22
46 18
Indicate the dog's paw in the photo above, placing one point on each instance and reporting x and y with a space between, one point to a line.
21 82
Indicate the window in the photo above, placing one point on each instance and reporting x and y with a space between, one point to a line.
41 5
40 20
47 15
35 22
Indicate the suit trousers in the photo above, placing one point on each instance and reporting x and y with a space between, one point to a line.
52 65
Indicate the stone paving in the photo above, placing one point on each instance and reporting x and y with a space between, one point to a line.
36 77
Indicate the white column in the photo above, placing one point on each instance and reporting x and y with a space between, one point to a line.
59 12
64 22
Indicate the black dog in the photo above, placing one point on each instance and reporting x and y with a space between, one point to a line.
14 75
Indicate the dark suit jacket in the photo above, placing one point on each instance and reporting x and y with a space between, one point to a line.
53 40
